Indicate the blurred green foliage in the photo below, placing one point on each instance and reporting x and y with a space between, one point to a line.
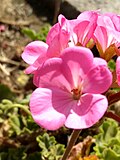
41 35
21 138
107 145
5 92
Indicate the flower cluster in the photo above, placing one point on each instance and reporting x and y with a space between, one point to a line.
71 82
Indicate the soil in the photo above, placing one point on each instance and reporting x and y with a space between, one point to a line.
14 16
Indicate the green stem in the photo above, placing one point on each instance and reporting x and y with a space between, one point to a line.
21 107
71 143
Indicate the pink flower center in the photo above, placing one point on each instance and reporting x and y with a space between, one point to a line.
76 93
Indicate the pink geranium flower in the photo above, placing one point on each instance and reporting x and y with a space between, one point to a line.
105 42
110 20
70 90
35 53
107 35
84 28
65 33
118 70
76 32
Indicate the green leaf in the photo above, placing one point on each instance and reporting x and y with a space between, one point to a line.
17 154
107 144
50 149
15 124
34 156
30 33
112 65
13 154
41 35
45 142
109 154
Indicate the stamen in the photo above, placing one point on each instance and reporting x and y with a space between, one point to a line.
78 44
76 93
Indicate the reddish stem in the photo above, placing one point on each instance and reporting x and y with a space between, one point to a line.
71 143
114 98
113 116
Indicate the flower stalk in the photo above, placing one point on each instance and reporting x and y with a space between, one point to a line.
113 116
71 143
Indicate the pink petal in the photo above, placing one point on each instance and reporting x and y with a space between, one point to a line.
50 74
109 20
45 73
116 21
81 31
77 61
90 110
67 71
98 80
30 69
61 26
84 30
101 37
55 48
58 37
37 64
52 33
105 37
105 21
88 15
118 70
99 61
34 50
49 108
